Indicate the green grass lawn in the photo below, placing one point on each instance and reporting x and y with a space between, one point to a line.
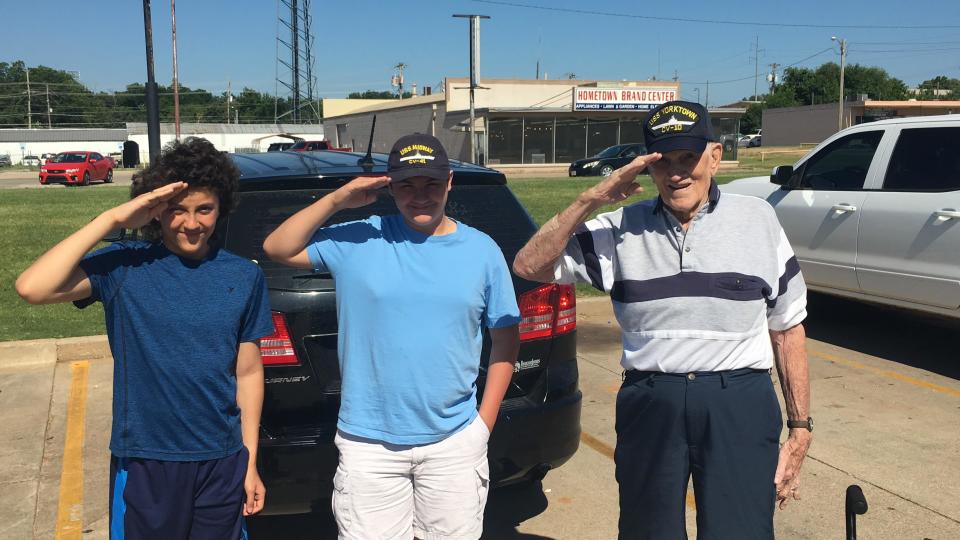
33 220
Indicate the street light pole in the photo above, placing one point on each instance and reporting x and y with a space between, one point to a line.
176 80
474 76
843 59
153 100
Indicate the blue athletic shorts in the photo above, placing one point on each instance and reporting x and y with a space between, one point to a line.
173 500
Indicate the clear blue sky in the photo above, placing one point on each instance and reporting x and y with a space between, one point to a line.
358 42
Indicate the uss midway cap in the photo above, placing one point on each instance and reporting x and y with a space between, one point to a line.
677 125
418 155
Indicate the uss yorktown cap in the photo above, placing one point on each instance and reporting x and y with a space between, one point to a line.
418 155
677 125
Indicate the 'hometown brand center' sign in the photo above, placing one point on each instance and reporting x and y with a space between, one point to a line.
588 98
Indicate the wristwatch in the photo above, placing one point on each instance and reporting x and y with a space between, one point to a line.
806 424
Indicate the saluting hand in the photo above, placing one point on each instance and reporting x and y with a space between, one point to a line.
621 184
138 211
360 191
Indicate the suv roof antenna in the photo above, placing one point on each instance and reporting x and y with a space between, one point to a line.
366 162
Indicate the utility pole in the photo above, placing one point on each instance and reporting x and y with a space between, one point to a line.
229 99
295 60
773 76
756 65
153 98
176 82
49 110
474 76
843 59
29 104
706 101
399 78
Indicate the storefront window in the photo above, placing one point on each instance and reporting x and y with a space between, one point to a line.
631 130
727 132
538 140
602 133
505 140
571 139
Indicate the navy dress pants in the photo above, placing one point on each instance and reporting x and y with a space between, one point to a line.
722 428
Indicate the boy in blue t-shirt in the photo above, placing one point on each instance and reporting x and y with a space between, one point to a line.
184 319
412 293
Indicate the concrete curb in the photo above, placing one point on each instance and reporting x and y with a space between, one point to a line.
41 352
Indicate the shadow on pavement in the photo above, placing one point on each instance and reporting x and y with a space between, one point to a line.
506 508
913 339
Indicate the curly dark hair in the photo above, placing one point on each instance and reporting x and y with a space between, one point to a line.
198 163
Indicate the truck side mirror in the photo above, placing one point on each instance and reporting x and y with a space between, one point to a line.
781 175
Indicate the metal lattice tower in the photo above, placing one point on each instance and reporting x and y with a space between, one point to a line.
295 54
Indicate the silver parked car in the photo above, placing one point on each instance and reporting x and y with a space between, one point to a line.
873 212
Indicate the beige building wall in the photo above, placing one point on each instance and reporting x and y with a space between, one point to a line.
789 126
340 107
529 94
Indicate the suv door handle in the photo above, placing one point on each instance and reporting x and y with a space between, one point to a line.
947 213
844 207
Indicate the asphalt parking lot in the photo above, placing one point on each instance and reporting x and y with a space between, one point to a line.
886 400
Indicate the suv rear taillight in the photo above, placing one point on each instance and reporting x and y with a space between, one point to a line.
277 348
547 311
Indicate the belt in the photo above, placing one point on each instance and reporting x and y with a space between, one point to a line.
632 375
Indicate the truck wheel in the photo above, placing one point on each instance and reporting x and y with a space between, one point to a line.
109 178
86 178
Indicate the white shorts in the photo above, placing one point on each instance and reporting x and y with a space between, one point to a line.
432 492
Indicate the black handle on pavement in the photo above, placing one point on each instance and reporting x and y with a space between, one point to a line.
856 504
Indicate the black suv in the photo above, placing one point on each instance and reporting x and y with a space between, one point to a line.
607 161
539 424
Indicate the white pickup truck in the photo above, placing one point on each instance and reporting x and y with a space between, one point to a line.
873 212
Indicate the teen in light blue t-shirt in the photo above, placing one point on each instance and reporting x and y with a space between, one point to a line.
414 293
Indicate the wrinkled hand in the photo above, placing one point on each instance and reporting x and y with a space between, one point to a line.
256 493
621 184
360 191
139 211
787 479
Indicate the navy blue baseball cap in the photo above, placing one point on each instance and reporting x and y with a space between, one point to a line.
677 125
418 155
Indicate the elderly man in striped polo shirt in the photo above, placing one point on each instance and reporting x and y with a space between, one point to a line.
709 296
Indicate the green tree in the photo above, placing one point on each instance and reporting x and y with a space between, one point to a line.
803 86
376 94
751 121
930 89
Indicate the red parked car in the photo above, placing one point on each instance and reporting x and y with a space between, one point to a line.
310 146
77 168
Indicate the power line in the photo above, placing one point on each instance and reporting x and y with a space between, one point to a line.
748 77
713 21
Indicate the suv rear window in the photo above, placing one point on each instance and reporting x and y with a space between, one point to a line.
492 209
925 159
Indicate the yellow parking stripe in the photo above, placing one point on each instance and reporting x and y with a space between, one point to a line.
889 374
605 449
70 509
